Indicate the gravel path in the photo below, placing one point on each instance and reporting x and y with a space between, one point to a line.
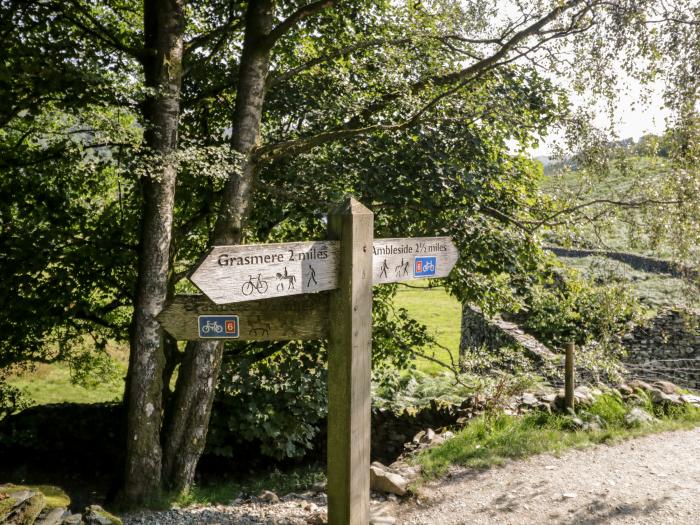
650 480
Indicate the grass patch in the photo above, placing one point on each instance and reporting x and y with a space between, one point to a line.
441 313
491 440
52 384
296 480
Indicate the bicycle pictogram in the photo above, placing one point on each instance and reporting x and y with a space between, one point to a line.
212 326
218 326
258 285
425 266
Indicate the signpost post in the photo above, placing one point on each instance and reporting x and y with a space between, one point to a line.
314 290
349 367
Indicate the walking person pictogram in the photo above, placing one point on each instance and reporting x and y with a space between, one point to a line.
385 267
312 277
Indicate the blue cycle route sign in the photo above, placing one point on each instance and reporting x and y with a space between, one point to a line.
218 326
424 266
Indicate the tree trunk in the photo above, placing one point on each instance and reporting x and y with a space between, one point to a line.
163 29
187 425
250 96
185 430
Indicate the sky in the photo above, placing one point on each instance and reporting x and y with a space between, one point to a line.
635 115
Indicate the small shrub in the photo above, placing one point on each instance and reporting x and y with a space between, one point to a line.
278 401
12 399
609 408
417 389
567 307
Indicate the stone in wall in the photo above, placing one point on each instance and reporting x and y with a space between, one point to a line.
666 347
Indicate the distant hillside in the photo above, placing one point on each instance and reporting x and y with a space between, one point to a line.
618 232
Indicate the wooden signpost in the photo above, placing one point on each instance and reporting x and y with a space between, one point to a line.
314 290
231 274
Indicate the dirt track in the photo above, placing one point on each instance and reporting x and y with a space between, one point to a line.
650 480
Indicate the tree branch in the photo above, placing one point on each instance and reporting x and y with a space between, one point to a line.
98 30
481 65
530 226
297 146
221 31
283 77
354 126
297 16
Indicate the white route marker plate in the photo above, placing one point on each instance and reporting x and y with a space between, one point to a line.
412 258
230 274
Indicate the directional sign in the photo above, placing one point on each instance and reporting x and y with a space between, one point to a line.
412 258
230 274
245 289
192 317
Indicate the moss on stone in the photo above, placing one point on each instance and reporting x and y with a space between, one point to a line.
102 513
6 503
31 508
55 497
28 510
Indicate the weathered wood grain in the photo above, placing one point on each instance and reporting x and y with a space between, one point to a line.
349 367
229 274
280 319
395 259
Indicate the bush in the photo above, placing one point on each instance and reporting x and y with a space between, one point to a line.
416 389
275 395
277 402
12 399
566 307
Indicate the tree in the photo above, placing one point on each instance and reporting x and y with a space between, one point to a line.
648 42
314 98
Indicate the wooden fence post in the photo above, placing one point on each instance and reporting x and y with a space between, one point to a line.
349 366
569 376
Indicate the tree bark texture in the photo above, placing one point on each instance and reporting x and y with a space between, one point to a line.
163 29
250 96
186 431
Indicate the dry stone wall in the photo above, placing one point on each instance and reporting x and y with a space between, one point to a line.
666 347
482 335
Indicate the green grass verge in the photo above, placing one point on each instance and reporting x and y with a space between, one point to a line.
490 441
441 313
52 384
